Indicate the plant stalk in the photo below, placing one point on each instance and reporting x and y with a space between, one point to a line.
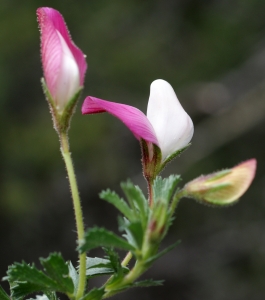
77 210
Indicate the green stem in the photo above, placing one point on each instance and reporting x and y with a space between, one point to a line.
136 272
127 259
77 209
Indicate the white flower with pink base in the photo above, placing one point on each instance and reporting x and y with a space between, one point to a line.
165 125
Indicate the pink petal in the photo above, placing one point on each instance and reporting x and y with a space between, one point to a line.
51 22
132 117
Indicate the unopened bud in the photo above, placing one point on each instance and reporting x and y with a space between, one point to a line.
223 187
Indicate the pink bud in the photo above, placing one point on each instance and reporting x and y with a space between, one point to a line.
63 63
223 187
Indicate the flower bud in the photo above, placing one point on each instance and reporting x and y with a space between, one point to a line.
223 187
63 62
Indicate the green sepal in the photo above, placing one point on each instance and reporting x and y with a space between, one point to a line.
61 119
152 259
94 294
100 237
214 201
69 110
148 283
173 156
218 175
151 168
57 269
119 203
163 188
3 294
137 200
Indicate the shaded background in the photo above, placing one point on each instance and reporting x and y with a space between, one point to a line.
213 54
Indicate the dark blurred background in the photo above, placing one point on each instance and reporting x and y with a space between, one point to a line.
213 54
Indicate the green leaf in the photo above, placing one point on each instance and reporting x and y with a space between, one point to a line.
114 259
99 271
164 188
22 289
118 202
94 294
27 279
152 259
92 262
74 275
137 200
98 266
41 297
100 237
58 270
3 294
134 232
50 295
147 283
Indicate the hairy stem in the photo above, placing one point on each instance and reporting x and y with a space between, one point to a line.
77 210
136 272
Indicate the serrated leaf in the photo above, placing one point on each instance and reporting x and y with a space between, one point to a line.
57 269
147 283
3 294
152 259
100 237
27 279
74 275
92 262
22 289
98 266
164 188
99 271
51 295
137 200
134 232
118 202
114 259
94 294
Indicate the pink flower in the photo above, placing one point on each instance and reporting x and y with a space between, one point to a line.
223 187
63 63
166 124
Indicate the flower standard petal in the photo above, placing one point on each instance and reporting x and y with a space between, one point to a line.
132 117
64 64
172 125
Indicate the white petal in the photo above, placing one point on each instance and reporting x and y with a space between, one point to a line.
68 81
172 125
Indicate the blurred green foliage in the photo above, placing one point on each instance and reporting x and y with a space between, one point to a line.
128 45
